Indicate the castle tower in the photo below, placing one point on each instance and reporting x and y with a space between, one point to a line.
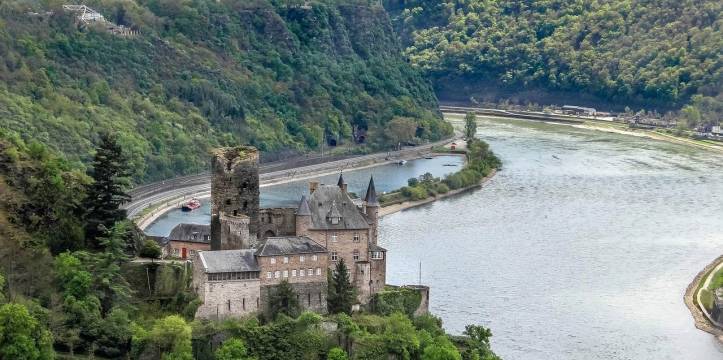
341 184
234 196
303 217
371 208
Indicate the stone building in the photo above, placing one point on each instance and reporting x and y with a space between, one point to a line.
298 260
234 198
185 240
295 244
234 283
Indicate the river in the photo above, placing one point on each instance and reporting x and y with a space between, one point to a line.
386 178
580 248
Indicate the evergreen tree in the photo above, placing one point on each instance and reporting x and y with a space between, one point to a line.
110 286
107 191
283 300
470 125
341 293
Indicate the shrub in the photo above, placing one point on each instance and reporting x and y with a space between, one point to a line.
150 250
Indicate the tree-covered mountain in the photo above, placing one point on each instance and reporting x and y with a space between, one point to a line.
203 73
645 53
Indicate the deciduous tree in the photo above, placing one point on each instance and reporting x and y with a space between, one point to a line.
470 125
22 337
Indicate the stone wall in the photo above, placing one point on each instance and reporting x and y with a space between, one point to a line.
228 299
277 222
157 280
234 232
234 188
310 295
378 274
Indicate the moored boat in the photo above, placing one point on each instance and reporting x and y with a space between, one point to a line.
191 205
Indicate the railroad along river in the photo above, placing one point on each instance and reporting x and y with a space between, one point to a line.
580 248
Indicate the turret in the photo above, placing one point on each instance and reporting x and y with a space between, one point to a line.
303 217
341 184
371 208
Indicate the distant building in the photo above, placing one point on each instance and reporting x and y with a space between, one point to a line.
184 241
578 110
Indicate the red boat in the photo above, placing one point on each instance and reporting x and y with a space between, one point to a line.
193 204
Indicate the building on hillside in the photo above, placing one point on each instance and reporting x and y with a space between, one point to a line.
578 110
234 283
184 241
296 244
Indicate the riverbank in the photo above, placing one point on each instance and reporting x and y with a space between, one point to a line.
393 208
690 298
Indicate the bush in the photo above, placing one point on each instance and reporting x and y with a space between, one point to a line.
412 181
336 354
392 300
150 250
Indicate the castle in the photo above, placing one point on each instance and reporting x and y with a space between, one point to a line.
254 249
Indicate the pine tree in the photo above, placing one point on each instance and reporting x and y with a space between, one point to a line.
107 191
341 293
283 300
470 125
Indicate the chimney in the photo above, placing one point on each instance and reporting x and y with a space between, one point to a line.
313 185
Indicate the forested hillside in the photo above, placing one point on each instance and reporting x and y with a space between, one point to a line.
203 73
643 53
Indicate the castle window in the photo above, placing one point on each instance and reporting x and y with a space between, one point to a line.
310 272
192 252
206 237
228 201
246 205
235 213
356 255
268 274
334 256
286 273
243 303
318 271
277 274
301 258
314 258
301 272
377 255
273 260
333 237
293 273
286 259
308 302
356 237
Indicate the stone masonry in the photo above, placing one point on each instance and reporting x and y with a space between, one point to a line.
234 192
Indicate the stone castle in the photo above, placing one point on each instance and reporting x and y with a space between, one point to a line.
254 249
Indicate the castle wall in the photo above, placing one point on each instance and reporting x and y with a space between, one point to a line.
378 268
277 222
310 296
228 298
311 290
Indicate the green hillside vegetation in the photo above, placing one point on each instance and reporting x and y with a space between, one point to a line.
205 73
661 54
63 290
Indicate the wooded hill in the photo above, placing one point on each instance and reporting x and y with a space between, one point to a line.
200 74
642 53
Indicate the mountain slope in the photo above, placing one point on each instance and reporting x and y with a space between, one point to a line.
202 74
651 53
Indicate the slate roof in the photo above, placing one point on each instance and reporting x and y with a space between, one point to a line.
303 209
371 196
288 245
320 203
375 247
185 232
221 261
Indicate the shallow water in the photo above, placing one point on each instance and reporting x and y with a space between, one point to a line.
580 248
386 178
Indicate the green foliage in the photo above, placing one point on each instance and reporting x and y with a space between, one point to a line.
396 300
570 45
202 74
232 349
106 192
22 337
150 250
283 300
336 354
477 343
342 294
2 289
172 337
470 126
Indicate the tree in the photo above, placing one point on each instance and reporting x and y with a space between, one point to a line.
401 130
470 125
110 286
107 191
22 337
172 338
341 295
478 343
283 300
2 289
232 349
150 250
336 354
